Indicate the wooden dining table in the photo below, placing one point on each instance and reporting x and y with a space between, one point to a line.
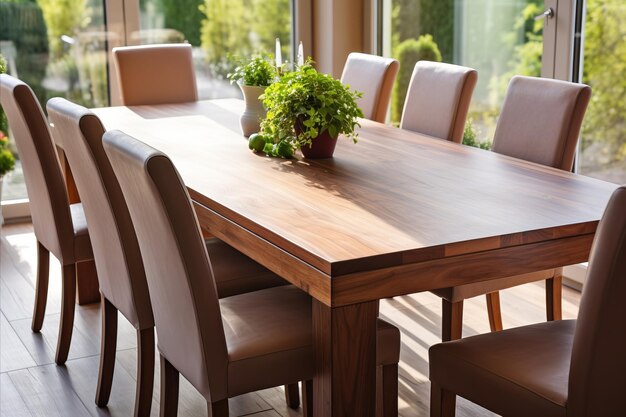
396 213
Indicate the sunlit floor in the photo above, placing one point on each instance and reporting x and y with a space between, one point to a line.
32 385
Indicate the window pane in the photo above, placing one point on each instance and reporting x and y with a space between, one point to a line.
498 38
58 51
603 148
218 30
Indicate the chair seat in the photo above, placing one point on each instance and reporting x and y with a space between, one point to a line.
493 369
236 273
265 352
269 338
463 292
82 242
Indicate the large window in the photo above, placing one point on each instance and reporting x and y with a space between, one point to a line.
603 146
219 31
58 51
63 48
498 38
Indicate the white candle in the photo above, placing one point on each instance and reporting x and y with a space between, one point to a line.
300 54
279 56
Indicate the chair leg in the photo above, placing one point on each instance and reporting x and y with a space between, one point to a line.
307 398
494 311
41 291
66 326
452 326
390 390
292 396
108 344
145 372
169 389
553 296
218 409
442 402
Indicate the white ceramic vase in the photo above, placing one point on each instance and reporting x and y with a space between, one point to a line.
254 112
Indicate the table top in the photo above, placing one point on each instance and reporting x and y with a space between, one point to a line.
394 198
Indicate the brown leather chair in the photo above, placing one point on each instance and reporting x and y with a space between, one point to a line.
438 100
155 74
118 259
572 368
373 76
224 347
540 122
60 227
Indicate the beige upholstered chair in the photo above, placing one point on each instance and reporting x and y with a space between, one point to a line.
224 347
155 74
571 368
60 227
438 100
540 122
373 76
116 250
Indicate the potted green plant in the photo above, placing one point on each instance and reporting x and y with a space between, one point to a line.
252 76
310 110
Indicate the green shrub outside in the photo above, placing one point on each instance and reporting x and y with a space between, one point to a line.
7 160
469 137
22 23
408 53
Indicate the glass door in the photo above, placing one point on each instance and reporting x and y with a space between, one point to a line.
498 38
58 51
219 31
602 151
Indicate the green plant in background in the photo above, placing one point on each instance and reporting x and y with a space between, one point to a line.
63 17
316 101
256 72
4 127
437 18
272 20
408 53
7 160
605 71
184 16
224 31
527 55
469 137
240 27
22 23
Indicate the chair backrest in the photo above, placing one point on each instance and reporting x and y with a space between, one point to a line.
373 76
49 203
155 74
540 120
116 250
182 287
598 368
438 100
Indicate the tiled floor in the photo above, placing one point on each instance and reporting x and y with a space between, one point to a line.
32 385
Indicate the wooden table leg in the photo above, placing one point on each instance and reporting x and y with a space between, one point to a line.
345 360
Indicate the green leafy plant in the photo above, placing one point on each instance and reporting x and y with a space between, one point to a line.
314 101
7 160
408 53
469 137
257 72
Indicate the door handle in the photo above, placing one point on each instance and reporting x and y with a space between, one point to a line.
548 14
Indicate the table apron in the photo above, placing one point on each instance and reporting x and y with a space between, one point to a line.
458 270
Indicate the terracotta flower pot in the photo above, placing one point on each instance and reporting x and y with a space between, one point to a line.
323 146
